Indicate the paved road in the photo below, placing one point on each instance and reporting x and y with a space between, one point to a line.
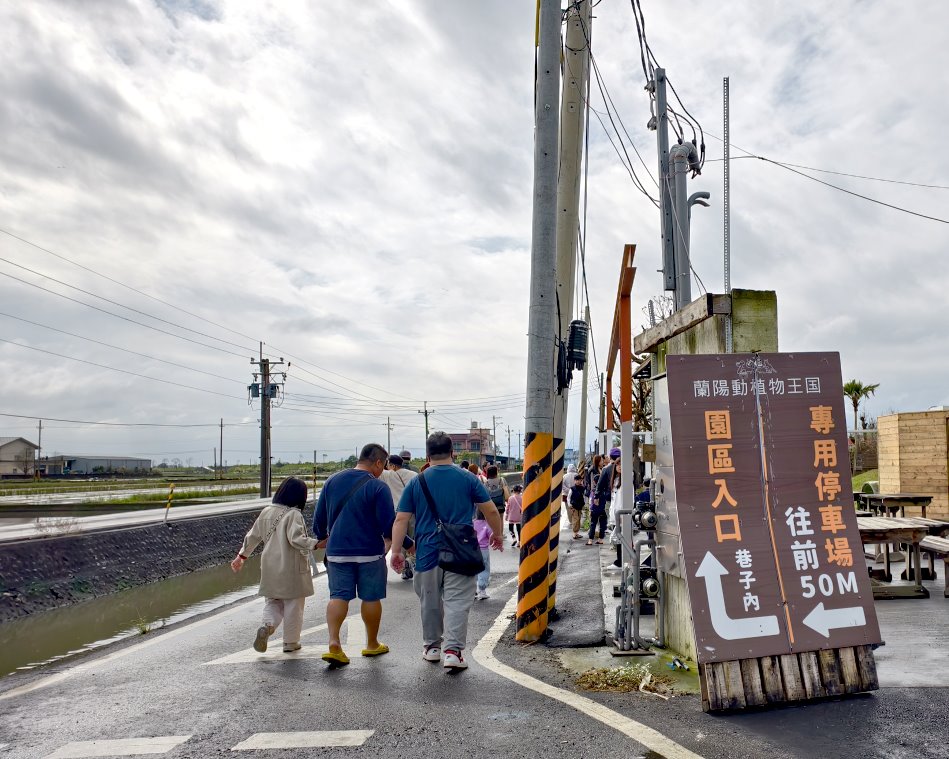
199 690
45 526
72 496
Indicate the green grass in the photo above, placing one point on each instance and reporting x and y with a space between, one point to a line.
860 479
161 496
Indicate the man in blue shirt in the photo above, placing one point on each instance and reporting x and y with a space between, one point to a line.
353 520
445 597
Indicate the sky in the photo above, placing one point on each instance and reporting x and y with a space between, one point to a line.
351 185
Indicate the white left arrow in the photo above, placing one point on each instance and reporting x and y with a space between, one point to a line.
824 620
727 627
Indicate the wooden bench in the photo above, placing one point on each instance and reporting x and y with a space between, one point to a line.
938 547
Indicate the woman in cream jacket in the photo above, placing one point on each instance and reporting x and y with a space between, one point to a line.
285 579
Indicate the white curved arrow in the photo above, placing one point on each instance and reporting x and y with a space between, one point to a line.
726 627
824 620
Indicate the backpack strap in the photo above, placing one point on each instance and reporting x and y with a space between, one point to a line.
342 504
428 497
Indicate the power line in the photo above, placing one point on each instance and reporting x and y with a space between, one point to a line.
119 348
216 425
122 371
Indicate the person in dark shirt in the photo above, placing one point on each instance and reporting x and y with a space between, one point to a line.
353 520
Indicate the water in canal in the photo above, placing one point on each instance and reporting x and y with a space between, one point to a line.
50 636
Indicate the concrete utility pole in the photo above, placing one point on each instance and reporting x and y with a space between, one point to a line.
265 365
660 123
426 412
389 434
576 58
39 450
532 589
494 436
582 443
727 212
509 445
221 457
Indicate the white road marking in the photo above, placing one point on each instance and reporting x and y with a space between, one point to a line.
274 651
314 739
642 734
353 634
123 747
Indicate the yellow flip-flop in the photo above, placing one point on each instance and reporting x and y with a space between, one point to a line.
379 650
335 658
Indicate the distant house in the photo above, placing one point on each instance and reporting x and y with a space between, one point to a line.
477 439
17 456
55 465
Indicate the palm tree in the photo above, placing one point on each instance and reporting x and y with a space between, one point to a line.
856 391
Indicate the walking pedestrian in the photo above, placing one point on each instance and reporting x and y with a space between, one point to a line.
442 495
600 500
407 462
285 579
353 519
514 506
396 476
483 531
498 490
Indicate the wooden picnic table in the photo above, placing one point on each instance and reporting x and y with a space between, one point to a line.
888 530
889 503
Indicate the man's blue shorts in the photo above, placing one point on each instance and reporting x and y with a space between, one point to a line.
348 579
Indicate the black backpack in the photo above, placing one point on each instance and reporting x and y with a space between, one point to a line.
496 492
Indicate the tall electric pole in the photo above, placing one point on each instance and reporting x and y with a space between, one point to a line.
494 437
509 445
576 60
266 395
426 412
389 434
39 451
660 122
542 332
221 457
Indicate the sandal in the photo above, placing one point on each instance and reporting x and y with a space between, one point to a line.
335 658
379 650
599 542
589 542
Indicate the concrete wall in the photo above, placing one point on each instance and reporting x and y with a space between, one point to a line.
16 457
59 571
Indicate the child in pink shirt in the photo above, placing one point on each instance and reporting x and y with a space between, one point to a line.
513 513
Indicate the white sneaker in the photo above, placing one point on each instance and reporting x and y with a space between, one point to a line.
432 653
454 660
482 595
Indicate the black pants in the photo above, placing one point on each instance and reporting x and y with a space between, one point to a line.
597 517
511 526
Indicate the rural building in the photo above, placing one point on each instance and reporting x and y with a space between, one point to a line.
17 456
55 465
477 439
913 451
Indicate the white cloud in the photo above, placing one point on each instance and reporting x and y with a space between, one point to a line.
353 186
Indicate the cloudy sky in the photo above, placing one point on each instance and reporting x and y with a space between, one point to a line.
351 184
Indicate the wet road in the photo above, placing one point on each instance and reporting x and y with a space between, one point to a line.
199 690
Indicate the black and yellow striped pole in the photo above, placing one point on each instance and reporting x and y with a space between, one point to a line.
532 588
542 341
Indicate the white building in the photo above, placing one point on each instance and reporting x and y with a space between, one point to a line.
17 456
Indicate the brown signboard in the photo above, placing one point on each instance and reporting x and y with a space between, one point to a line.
772 553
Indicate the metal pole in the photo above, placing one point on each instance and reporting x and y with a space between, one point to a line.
39 450
583 395
726 192
679 165
264 428
532 587
221 458
665 185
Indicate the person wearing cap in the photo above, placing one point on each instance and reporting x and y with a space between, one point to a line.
407 463
396 476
